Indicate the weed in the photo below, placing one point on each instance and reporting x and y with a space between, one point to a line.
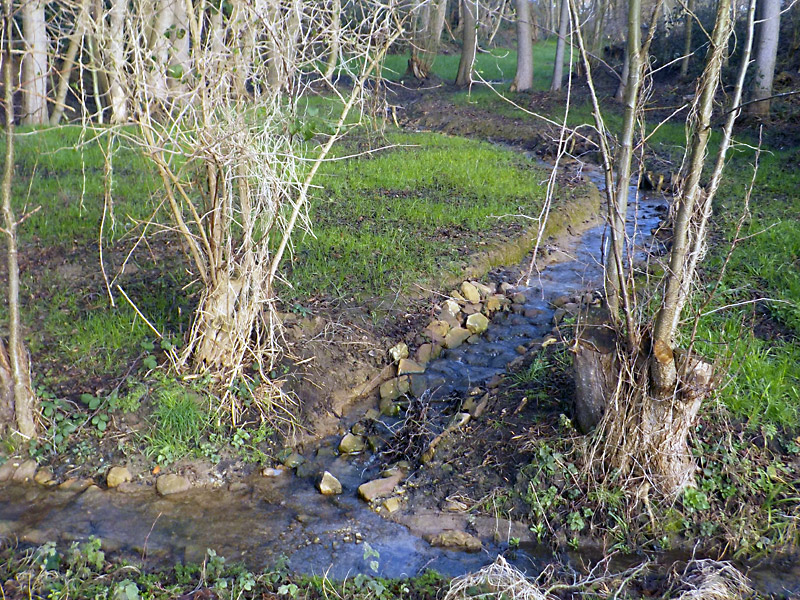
179 421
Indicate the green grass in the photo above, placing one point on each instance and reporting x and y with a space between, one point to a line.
179 420
405 213
60 171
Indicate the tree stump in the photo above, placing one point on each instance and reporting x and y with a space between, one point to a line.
596 372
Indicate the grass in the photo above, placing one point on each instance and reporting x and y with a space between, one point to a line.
60 170
408 213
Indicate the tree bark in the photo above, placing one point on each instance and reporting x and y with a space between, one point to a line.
65 73
470 42
334 35
428 27
35 66
766 55
15 362
523 81
116 61
563 30
687 44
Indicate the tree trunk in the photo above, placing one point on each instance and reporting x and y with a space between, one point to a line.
429 24
596 43
523 81
563 30
15 362
766 54
180 36
334 35
687 46
469 9
35 66
116 62
65 73
596 370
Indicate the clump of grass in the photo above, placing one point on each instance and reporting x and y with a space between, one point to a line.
179 419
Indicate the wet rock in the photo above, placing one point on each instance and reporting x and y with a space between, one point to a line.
44 476
423 354
407 366
329 485
399 351
518 309
495 302
379 488
25 471
75 485
358 428
519 298
506 287
7 468
437 330
419 385
394 388
117 475
561 301
572 308
454 506
495 381
471 309
352 444
531 313
470 292
559 315
392 505
452 538
477 323
306 470
237 486
293 460
484 290
474 339
389 407
521 349
375 443
370 415
272 472
455 337
128 487
166 485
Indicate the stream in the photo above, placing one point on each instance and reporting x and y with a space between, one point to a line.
262 519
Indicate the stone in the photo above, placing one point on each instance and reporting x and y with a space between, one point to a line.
272 472
293 459
474 339
130 487
455 337
572 308
559 315
379 488
495 381
75 485
484 290
521 349
371 415
531 313
456 295
329 485
451 307
436 351
437 330
398 351
406 366
44 476
495 303
423 354
389 407
375 443
517 309
26 471
306 470
117 475
477 323
170 484
7 469
419 385
352 444
391 505
470 292
452 538
519 298
472 308
561 301
506 287
394 388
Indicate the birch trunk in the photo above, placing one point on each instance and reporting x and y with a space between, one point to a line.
116 61
766 55
334 38
563 30
35 65
523 81
65 73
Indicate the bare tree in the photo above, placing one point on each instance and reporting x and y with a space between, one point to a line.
523 80
17 402
766 54
687 38
35 63
469 11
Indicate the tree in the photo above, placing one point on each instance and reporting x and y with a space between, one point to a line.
469 11
428 26
523 80
654 391
35 64
563 31
687 38
17 402
766 54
